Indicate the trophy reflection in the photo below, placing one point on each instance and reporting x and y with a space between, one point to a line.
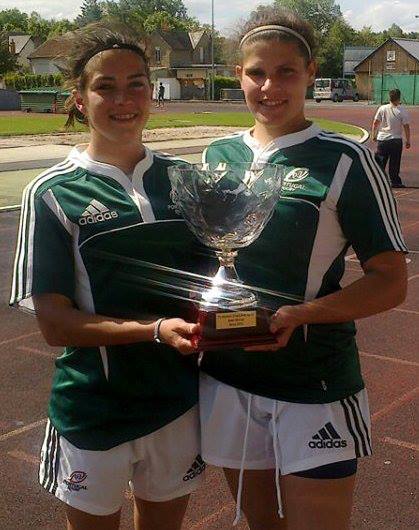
227 206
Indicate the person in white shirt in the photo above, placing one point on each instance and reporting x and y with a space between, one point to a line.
387 130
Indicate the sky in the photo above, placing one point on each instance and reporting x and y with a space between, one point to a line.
379 14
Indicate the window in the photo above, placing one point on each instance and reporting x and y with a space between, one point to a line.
201 54
157 55
391 55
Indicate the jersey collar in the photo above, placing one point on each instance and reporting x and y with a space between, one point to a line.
281 142
108 170
134 188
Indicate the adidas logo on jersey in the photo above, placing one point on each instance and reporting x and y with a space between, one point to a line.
327 438
196 469
96 212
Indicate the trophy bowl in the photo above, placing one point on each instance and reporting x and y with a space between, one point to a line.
226 206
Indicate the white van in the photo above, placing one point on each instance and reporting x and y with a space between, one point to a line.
336 89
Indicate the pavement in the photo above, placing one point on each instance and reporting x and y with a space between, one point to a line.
41 156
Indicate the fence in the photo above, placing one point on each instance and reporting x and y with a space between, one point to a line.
408 84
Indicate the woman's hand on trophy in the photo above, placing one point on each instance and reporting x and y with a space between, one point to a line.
180 334
283 323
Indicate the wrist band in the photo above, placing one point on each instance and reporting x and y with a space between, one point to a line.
156 332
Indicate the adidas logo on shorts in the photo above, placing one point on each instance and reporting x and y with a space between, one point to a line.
327 438
196 469
96 212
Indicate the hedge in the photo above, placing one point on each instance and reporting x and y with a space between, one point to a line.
224 82
28 81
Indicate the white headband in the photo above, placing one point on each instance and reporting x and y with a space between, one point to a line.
283 29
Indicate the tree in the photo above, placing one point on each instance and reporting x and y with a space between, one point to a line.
330 57
13 20
367 37
163 21
320 13
8 62
91 11
59 27
38 26
149 15
394 31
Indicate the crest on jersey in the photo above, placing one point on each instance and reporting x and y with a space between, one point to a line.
299 173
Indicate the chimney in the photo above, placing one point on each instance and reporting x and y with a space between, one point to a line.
12 47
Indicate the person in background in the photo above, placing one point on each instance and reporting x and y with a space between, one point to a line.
387 130
160 96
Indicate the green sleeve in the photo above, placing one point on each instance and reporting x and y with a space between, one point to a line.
53 259
367 210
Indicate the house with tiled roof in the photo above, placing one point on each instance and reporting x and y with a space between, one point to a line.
21 46
182 62
44 59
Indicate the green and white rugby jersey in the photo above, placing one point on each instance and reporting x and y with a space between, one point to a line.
88 232
334 196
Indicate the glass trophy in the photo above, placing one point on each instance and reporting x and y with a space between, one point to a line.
227 206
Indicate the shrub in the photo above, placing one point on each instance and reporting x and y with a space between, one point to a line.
28 81
224 82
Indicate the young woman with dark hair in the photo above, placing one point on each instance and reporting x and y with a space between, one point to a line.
123 401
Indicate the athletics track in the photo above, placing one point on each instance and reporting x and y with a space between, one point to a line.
389 354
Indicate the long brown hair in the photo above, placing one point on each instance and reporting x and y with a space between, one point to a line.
83 45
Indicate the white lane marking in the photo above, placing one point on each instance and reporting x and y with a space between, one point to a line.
20 337
36 352
203 523
395 404
26 428
409 311
400 443
389 359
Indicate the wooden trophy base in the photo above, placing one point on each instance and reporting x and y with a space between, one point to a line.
225 329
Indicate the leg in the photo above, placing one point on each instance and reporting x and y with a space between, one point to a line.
257 485
394 164
78 520
166 515
317 504
382 154
171 469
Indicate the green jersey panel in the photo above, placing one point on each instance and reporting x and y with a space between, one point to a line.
86 232
334 196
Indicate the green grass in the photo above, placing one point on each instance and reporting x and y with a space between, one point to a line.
49 124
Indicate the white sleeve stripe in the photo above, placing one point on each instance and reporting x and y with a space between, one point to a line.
384 191
204 155
51 201
392 201
380 187
24 246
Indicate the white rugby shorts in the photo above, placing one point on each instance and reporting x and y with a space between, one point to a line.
304 436
161 466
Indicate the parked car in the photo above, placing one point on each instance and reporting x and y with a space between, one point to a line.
336 89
